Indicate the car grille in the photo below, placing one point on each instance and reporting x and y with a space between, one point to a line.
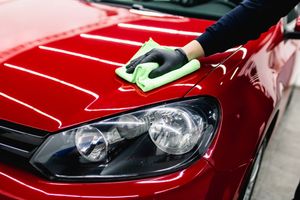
19 140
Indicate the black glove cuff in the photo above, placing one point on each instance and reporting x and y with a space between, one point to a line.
186 60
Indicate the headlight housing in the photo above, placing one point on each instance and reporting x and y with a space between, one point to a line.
151 141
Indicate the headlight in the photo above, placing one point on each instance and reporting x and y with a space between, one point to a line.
148 142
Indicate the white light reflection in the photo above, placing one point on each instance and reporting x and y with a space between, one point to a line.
149 13
31 107
239 48
96 96
166 190
220 66
122 89
208 154
233 74
110 39
80 55
188 85
223 68
65 195
52 79
164 180
157 29
116 40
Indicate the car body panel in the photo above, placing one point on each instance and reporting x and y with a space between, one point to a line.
263 87
43 85
19 184
199 181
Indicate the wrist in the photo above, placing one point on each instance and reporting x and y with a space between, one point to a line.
183 54
193 50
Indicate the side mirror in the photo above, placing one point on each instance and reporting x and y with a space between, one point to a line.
292 30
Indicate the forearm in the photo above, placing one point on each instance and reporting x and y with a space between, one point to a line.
246 22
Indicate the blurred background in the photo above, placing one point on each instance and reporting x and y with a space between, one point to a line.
280 171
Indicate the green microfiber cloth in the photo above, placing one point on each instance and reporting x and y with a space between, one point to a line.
141 72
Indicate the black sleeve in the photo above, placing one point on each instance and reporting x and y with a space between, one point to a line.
246 22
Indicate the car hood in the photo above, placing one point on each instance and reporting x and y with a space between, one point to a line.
58 60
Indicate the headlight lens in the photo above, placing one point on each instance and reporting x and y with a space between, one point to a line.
91 143
143 143
175 130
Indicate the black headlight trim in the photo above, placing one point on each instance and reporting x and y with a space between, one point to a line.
198 153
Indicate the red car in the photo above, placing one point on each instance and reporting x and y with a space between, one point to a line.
71 129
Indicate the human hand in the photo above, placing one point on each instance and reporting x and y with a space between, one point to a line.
168 60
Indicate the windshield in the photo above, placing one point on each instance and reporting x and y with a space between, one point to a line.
208 9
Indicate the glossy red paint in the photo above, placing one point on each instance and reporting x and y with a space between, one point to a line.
67 77
58 74
263 87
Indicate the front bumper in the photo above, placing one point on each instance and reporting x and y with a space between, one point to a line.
199 181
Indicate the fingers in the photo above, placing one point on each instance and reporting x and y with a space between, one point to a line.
132 65
148 57
160 71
